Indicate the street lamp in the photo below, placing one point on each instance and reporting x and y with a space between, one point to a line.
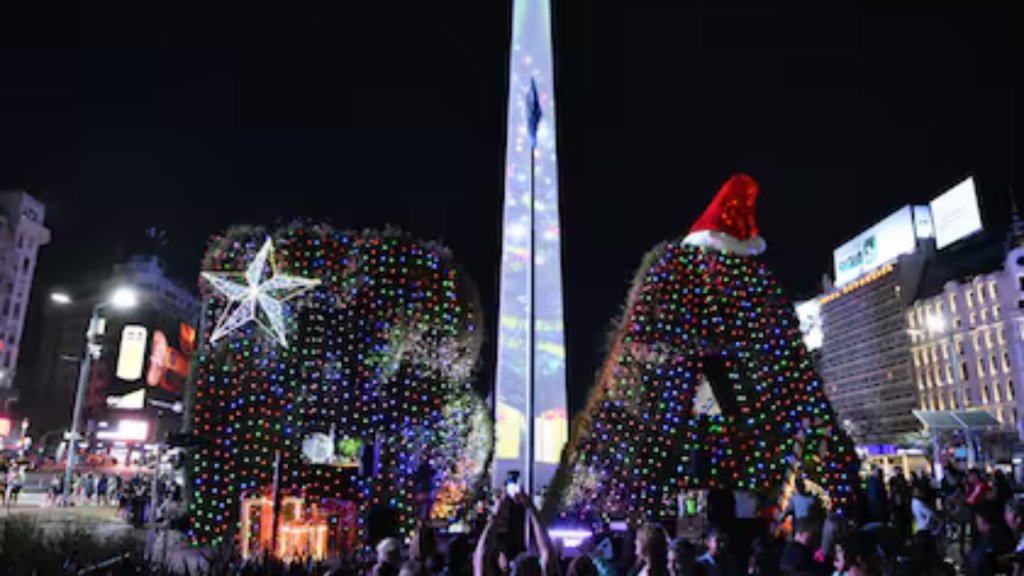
61 298
122 298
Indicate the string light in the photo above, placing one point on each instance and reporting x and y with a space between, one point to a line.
382 348
697 314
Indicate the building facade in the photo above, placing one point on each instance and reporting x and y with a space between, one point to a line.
164 307
22 233
968 345
865 358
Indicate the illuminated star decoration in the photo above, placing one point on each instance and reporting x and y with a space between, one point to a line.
258 293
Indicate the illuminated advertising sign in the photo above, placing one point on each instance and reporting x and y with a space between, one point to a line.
5 426
131 353
168 366
126 431
809 314
923 226
956 214
876 246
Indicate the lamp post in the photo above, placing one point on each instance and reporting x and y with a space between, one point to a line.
122 298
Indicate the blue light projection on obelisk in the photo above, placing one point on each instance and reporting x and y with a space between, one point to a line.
531 343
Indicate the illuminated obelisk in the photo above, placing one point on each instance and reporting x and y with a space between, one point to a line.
531 344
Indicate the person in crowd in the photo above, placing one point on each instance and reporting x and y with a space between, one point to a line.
856 556
900 502
582 566
977 488
389 557
801 502
925 517
15 483
682 558
924 558
56 487
765 557
718 559
651 552
89 487
101 490
490 558
412 568
457 556
993 539
1002 488
877 498
721 508
833 529
1013 514
798 554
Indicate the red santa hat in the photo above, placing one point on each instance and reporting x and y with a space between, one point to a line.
729 223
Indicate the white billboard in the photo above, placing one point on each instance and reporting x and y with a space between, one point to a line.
956 214
878 245
809 314
131 353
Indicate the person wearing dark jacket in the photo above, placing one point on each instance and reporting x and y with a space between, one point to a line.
798 555
878 500
993 539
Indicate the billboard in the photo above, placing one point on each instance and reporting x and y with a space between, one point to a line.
809 314
956 214
126 431
169 366
131 352
878 245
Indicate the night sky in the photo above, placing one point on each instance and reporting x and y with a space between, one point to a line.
151 114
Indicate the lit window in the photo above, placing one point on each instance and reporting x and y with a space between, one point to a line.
952 303
992 292
970 299
974 319
1006 361
980 367
984 315
981 295
988 339
995 312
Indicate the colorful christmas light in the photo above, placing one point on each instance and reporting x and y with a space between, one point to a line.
696 315
379 351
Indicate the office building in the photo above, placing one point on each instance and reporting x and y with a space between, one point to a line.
22 233
144 355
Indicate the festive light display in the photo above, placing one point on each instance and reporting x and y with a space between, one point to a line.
380 350
257 294
530 332
698 316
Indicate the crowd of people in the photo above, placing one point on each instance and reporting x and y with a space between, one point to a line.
969 523
904 525
132 497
